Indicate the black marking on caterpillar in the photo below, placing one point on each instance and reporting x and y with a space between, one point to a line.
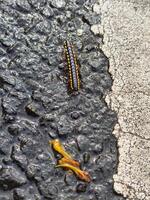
74 82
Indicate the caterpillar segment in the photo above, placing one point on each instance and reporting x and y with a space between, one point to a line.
72 67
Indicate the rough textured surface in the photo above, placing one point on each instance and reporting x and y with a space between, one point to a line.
35 105
125 25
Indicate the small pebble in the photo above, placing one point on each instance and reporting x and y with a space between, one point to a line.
81 187
75 115
86 157
33 109
52 135
80 32
58 3
14 129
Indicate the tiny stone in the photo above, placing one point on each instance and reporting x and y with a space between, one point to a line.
33 109
70 179
2 51
68 14
53 126
80 32
52 135
8 42
32 170
98 148
58 3
6 77
97 29
11 178
81 187
19 157
48 12
86 157
23 5
96 8
48 189
41 157
19 194
7 161
14 129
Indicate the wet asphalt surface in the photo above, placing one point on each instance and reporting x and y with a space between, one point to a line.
36 107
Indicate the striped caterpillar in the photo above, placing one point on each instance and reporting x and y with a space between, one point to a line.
73 74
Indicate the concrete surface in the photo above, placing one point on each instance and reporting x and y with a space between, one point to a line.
126 29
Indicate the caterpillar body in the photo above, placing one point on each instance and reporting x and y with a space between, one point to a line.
73 73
